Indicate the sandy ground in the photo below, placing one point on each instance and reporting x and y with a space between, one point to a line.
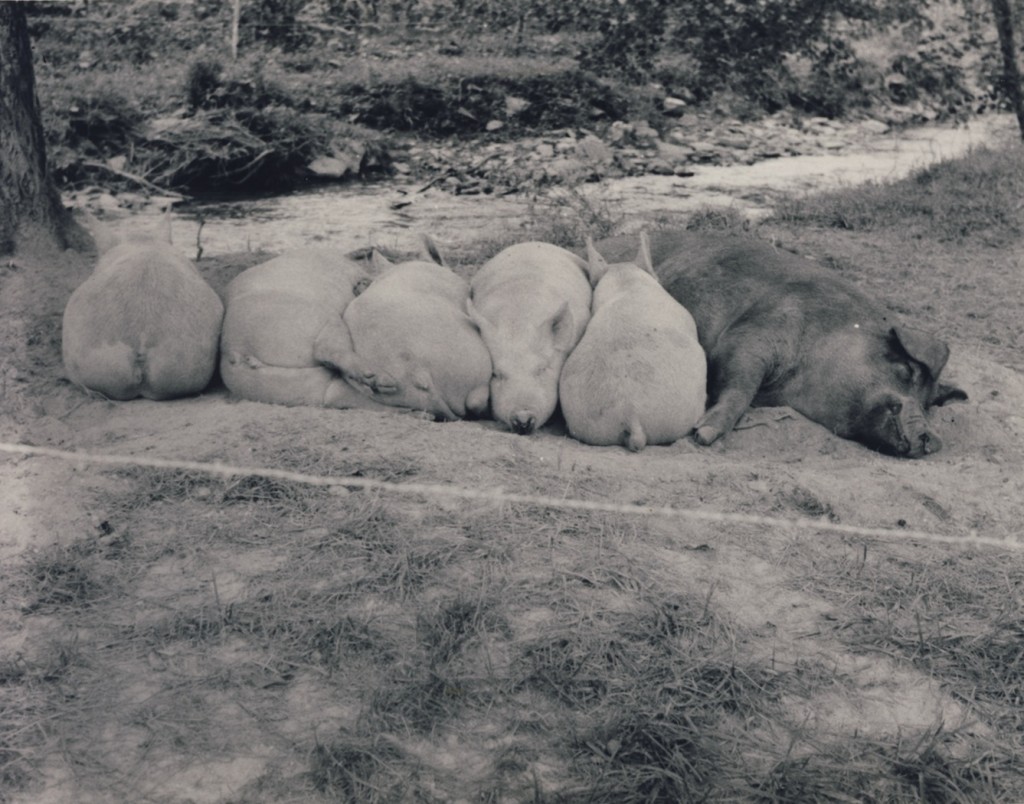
777 464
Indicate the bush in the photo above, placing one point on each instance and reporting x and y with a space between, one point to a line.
203 81
464 104
101 123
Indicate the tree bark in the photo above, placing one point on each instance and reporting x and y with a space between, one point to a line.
29 203
1011 69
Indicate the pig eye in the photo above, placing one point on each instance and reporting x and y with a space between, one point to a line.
497 376
905 372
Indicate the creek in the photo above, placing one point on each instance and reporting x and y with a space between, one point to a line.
392 213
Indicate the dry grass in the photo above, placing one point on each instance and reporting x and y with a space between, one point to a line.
976 197
499 655
957 615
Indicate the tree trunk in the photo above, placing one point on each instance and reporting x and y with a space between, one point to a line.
29 203
1011 69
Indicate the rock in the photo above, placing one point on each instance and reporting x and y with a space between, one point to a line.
619 131
682 171
494 125
593 150
644 132
674 154
133 200
660 167
545 150
330 167
733 141
105 202
874 126
514 105
705 151
678 136
567 170
673 106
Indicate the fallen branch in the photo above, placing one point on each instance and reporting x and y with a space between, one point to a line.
453 171
137 179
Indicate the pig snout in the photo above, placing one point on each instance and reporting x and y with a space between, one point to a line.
901 429
523 422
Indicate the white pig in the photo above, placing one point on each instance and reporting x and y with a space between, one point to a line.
638 375
411 326
284 340
531 302
145 323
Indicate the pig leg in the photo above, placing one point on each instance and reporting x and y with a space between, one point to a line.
739 366
333 348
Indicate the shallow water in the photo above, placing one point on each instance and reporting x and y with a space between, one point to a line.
393 214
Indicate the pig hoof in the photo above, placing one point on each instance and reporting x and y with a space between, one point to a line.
706 435
380 384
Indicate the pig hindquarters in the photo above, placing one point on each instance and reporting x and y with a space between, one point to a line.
638 375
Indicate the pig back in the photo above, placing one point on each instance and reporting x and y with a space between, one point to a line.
276 309
411 323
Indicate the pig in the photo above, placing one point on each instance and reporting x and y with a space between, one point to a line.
284 341
411 326
638 375
531 302
144 324
780 330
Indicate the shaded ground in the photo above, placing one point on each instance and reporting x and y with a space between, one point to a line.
176 637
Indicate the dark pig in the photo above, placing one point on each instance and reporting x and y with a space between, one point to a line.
780 330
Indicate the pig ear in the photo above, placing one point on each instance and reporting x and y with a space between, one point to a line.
597 266
923 347
643 257
563 325
947 393
379 261
428 249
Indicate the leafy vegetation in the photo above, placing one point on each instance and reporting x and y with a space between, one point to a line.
438 68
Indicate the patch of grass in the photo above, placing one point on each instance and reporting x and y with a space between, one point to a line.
566 216
151 485
904 772
30 688
977 196
715 219
956 615
69 577
353 768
